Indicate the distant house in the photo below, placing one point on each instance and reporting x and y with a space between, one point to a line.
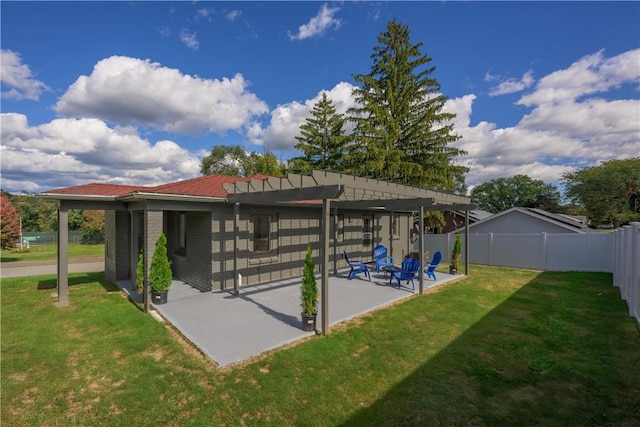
455 220
529 220
225 232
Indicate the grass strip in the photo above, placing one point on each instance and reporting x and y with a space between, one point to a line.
50 252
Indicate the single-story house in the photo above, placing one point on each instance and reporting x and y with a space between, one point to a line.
227 232
528 220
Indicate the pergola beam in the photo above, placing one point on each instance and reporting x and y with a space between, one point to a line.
292 195
387 204
457 207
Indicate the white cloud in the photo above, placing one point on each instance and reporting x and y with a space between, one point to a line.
131 91
77 151
19 78
318 24
233 15
567 128
590 75
190 39
205 13
513 85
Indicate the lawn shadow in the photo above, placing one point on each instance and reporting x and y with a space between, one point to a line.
80 279
548 355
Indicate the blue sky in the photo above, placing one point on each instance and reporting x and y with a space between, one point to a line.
139 92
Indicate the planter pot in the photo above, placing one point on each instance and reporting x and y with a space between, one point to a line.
309 322
159 297
453 270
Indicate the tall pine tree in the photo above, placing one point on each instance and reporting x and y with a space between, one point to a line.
321 139
401 134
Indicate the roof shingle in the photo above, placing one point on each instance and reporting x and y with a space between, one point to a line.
208 186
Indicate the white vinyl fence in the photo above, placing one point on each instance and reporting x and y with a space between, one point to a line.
617 252
626 268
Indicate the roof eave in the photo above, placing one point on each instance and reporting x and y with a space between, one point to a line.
137 195
77 197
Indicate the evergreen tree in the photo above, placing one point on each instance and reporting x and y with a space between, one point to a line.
160 270
401 134
309 289
322 139
140 273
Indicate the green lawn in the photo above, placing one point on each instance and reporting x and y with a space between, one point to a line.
503 347
50 252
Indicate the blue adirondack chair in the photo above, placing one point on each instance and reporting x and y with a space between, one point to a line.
381 258
431 268
357 267
407 272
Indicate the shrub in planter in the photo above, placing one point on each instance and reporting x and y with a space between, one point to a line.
160 275
455 255
140 273
309 294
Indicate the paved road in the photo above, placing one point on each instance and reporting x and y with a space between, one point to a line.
36 268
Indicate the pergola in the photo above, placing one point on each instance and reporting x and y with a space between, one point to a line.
339 191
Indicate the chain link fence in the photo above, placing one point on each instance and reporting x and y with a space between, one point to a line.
44 237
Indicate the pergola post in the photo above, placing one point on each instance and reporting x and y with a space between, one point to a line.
63 256
421 250
324 240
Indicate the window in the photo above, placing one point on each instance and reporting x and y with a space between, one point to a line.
261 233
367 238
395 226
182 236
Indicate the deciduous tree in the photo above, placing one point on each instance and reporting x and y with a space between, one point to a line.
501 194
9 222
235 161
267 164
93 225
401 132
224 160
610 192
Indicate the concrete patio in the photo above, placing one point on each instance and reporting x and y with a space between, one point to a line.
229 328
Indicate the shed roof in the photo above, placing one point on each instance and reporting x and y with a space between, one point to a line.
541 215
